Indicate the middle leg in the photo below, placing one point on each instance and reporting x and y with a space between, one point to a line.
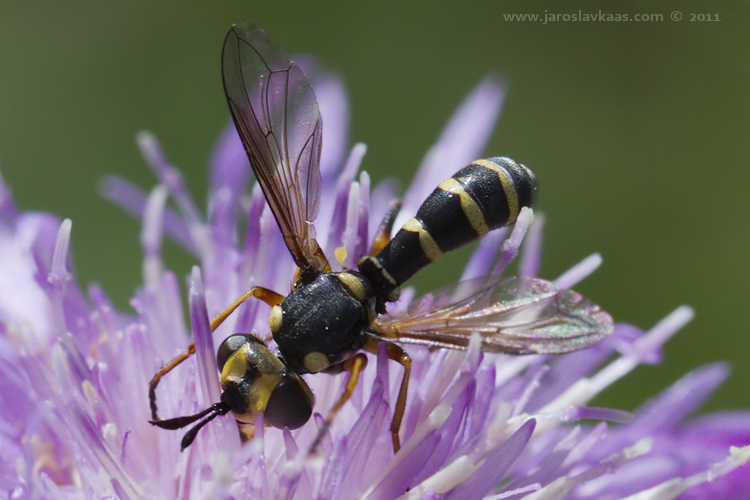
397 354
354 366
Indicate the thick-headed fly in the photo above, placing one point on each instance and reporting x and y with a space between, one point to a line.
328 318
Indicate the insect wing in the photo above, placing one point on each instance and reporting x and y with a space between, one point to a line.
274 108
512 315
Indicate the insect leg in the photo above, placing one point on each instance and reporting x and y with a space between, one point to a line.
268 296
383 236
163 371
353 365
398 355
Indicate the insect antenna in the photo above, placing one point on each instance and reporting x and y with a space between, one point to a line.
212 411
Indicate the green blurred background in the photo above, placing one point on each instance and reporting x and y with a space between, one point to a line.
636 130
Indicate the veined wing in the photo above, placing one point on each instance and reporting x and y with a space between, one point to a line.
274 108
512 315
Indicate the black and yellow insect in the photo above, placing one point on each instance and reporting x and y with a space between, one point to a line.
328 318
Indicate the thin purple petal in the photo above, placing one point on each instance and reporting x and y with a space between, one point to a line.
495 467
531 254
169 176
7 206
462 141
132 200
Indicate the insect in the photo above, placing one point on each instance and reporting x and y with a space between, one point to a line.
329 318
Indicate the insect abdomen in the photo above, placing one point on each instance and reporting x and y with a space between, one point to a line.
484 195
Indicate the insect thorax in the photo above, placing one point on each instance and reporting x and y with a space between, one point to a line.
323 323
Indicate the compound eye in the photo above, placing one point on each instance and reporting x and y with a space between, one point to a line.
230 346
290 405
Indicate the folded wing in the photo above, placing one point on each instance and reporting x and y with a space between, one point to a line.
512 315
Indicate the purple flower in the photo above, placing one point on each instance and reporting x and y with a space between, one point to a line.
74 371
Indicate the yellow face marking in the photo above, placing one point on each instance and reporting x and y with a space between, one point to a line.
275 319
353 285
316 362
429 246
470 208
510 190
269 375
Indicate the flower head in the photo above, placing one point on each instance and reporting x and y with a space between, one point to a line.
75 371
